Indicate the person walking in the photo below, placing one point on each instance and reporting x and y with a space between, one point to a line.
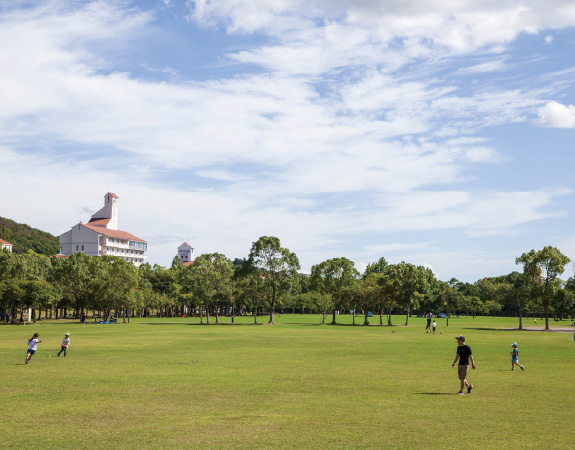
32 343
463 355
65 344
515 357
428 326
434 326
83 320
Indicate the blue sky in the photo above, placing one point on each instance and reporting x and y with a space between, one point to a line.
441 134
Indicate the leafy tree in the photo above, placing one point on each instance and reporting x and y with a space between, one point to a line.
542 268
451 296
251 287
514 291
387 296
212 275
377 267
77 277
278 267
408 283
333 277
368 294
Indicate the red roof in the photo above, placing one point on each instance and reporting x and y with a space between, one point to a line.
188 263
113 195
2 241
58 256
188 245
118 234
99 222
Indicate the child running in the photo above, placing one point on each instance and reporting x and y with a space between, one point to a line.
32 343
65 344
515 357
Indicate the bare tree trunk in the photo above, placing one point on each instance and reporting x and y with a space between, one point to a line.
407 315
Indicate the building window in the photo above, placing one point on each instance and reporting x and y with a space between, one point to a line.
76 248
82 247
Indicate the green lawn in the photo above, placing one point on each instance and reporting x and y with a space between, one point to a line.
172 383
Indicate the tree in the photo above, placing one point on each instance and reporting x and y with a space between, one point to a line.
278 267
407 283
542 268
249 281
513 291
76 277
368 294
451 294
377 267
333 277
212 280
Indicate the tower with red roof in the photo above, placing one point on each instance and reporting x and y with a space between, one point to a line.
101 236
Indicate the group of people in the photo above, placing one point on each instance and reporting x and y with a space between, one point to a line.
34 341
428 329
464 355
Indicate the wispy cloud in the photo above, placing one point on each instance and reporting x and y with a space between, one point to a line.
331 121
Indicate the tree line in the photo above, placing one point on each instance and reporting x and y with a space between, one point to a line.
268 281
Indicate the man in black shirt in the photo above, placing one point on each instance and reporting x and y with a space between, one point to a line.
463 355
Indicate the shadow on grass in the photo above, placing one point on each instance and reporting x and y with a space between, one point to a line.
488 329
206 324
436 393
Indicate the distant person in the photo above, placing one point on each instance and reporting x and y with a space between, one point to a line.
463 355
428 326
515 357
434 326
65 344
83 321
32 344
8 316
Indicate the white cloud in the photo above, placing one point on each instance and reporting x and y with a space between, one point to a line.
489 66
396 247
556 115
346 126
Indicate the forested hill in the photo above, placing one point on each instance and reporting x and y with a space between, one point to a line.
24 237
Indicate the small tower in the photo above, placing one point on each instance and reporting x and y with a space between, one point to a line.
109 211
186 253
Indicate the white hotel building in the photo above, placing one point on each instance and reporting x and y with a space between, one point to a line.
100 236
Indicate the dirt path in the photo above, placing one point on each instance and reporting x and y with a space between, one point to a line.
552 329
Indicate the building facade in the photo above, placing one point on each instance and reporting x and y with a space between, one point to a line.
5 244
186 254
100 236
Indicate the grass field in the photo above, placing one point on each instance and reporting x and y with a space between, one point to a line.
172 383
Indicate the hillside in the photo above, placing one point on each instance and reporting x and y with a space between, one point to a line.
24 237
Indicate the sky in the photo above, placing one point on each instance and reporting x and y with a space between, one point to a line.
437 133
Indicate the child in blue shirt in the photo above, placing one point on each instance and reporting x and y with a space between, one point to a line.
515 357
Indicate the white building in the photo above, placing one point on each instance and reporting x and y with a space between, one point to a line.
186 254
5 244
100 236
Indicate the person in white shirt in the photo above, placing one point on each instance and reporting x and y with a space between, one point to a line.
32 343
65 344
434 326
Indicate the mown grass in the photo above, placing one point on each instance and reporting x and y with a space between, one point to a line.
172 383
